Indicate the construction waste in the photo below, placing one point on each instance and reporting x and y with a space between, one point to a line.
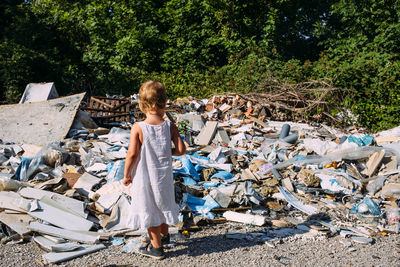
293 179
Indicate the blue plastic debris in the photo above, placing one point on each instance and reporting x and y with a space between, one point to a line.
189 181
115 241
201 206
367 206
28 168
22 169
188 168
115 171
361 139
210 184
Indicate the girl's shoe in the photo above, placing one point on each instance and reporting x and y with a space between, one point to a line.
152 252
165 240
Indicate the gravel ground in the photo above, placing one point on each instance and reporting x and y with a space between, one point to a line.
210 247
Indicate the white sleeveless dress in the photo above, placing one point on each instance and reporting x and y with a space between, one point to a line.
153 194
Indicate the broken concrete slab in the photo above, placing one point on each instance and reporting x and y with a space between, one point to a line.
207 133
222 136
78 236
49 120
85 184
13 201
245 218
48 245
78 207
35 92
57 257
17 222
58 216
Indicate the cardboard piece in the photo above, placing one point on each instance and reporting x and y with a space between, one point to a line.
373 162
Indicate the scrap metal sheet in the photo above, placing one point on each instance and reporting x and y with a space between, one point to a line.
39 123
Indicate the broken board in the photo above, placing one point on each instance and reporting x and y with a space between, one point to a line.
41 122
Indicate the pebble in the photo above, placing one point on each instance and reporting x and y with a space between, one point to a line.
361 239
208 247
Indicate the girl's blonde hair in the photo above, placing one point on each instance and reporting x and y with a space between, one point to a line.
152 96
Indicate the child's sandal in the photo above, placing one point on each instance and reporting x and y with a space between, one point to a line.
165 240
152 252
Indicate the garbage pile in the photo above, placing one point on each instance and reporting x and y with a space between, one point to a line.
294 179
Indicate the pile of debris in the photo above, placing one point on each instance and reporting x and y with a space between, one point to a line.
295 179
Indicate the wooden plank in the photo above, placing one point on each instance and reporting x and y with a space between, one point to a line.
373 162
260 122
94 105
97 109
128 106
120 105
113 116
102 102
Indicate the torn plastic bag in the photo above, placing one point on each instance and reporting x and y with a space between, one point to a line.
376 185
53 155
117 135
116 171
210 184
189 181
200 206
30 167
224 175
395 148
217 156
187 168
366 206
292 200
92 157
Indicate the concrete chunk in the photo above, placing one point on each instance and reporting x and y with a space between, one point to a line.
207 133
53 257
79 236
58 216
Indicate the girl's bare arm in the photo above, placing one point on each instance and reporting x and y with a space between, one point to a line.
180 147
133 153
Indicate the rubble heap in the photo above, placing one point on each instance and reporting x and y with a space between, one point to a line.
294 179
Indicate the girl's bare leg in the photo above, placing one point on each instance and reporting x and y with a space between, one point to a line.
164 229
155 236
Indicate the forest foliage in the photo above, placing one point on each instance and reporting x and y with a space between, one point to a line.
203 47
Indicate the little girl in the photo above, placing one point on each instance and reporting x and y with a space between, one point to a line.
148 166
